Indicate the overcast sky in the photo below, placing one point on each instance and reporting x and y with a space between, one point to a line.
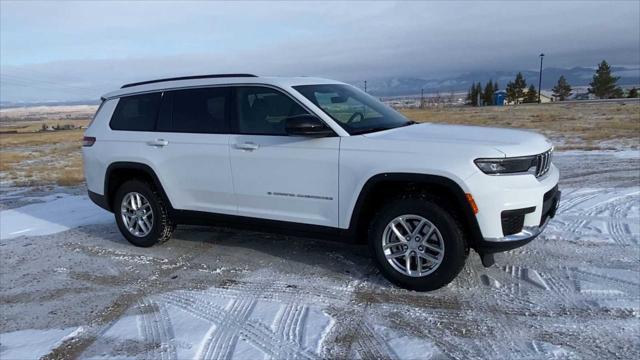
79 50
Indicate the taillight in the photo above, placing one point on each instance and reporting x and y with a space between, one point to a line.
88 141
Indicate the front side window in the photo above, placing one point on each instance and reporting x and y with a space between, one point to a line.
203 110
354 110
136 112
263 110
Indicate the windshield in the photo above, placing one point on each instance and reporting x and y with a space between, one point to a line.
356 111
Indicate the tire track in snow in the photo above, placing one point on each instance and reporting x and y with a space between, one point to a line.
220 342
156 329
259 335
279 291
568 204
616 223
620 232
353 334
611 201
290 322
625 286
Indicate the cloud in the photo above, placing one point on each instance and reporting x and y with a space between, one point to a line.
64 50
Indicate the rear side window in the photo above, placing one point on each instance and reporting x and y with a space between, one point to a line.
136 112
203 110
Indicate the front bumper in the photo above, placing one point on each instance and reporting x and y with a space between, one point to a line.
528 233
512 210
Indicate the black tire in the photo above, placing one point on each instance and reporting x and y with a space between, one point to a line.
454 255
162 227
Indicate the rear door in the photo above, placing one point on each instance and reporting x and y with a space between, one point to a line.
192 141
276 176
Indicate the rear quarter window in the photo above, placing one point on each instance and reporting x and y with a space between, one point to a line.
136 112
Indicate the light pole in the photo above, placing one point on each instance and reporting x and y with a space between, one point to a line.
540 78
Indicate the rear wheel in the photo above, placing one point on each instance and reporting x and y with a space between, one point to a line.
417 244
141 215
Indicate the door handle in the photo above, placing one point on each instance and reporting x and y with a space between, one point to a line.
158 142
249 146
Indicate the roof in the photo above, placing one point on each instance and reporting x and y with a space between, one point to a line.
206 80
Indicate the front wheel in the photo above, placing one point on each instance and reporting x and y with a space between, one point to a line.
141 215
417 244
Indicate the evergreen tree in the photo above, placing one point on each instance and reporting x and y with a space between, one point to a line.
633 93
496 87
487 94
562 90
520 84
604 83
531 96
511 93
472 94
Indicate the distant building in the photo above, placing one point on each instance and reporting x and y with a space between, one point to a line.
584 96
543 98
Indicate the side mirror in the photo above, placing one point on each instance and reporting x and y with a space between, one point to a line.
306 125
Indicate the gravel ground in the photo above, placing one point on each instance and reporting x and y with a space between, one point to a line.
219 293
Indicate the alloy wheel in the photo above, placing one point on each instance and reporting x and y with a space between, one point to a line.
137 214
413 245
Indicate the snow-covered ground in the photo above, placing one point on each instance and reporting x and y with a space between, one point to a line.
72 287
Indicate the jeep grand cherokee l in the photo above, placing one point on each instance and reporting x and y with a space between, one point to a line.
318 157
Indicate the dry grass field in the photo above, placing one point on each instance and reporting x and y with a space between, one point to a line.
587 126
30 157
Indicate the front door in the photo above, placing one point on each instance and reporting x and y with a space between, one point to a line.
280 177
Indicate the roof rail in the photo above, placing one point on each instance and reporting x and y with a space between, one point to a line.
187 78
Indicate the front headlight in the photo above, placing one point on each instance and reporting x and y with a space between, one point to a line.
515 165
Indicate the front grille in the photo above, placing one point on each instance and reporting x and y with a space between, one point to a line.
543 163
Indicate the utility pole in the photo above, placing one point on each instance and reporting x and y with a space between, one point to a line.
422 98
540 78
365 86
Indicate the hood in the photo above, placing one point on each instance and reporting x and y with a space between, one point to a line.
508 141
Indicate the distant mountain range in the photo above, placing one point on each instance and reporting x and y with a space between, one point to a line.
399 86
13 104
577 76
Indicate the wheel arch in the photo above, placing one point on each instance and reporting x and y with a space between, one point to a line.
119 172
386 185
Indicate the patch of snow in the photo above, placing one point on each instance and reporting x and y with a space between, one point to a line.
32 343
50 217
409 347
46 198
217 323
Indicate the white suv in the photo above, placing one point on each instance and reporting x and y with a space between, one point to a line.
316 157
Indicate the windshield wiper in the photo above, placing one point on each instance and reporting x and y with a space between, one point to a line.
381 128
370 130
